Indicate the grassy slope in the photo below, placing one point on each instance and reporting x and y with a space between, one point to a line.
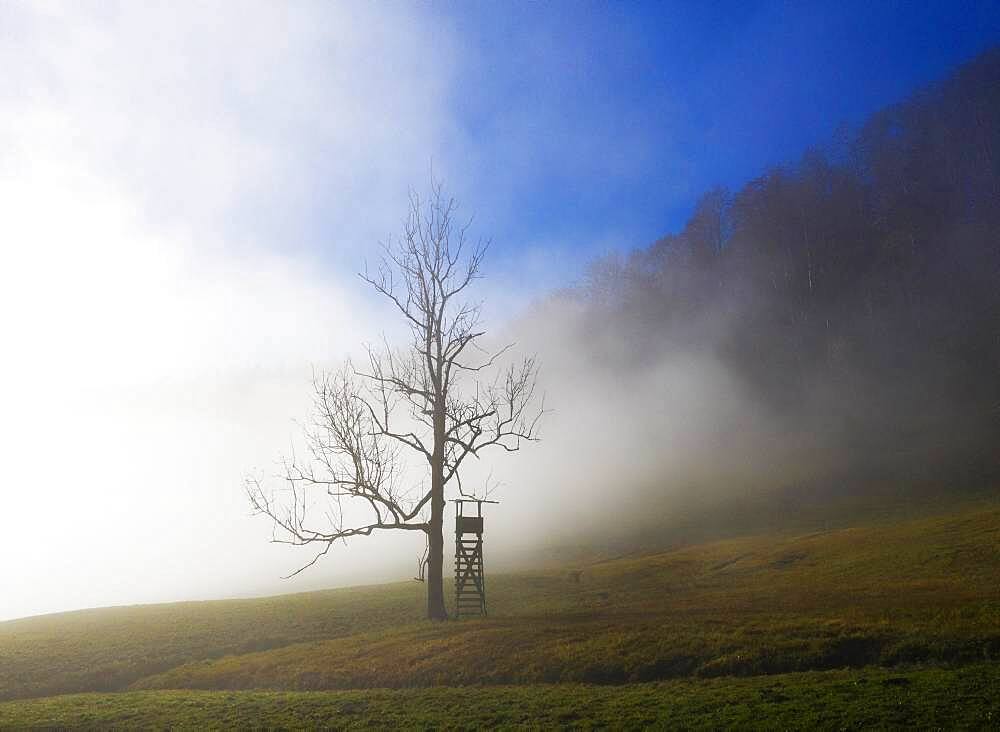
108 649
923 591
968 697
917 591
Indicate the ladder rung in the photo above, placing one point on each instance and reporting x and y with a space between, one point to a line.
470 585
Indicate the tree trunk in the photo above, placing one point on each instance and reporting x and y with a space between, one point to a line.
435 536
435 560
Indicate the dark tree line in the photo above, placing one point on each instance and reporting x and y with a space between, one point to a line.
861 285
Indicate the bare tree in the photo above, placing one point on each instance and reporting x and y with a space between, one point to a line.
442 398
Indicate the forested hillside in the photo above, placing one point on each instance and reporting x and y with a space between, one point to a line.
856 293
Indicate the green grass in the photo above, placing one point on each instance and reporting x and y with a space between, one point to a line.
968 697
922 591
108 649
916 596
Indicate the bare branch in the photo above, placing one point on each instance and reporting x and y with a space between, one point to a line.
428 399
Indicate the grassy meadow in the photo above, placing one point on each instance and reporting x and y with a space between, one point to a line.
892 622
967 697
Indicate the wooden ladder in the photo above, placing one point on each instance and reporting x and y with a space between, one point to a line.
470 581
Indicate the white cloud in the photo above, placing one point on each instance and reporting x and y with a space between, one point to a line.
167 173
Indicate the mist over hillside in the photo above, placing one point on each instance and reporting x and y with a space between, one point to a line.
831 328
499 365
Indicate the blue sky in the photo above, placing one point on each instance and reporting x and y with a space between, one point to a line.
626 112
